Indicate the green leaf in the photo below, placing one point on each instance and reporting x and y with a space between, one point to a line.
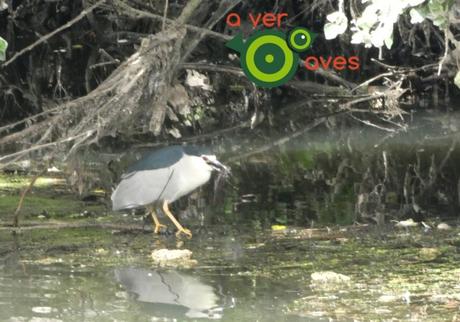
457 79
438 12
440 21
3 47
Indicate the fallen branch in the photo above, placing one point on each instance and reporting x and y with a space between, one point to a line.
362 100
214 68
309 87
65 225
373 79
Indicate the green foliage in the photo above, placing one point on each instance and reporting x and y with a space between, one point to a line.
374 28
3 47
435 10
457 79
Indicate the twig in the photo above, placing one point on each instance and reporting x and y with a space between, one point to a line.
372 80
372 124
51 34
197 138
400 69
30 118
187 11
43 146
448 154
307 10
213 68
143 14
332 76
446 51
224 7
165 15
115 62
363 99
310 87
23 196
279 142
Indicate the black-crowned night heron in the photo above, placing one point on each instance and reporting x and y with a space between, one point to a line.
163 176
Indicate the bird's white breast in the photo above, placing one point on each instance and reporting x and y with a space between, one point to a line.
190 173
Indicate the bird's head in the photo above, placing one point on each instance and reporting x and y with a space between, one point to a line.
212 161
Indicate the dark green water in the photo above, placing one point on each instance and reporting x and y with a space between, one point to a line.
97 275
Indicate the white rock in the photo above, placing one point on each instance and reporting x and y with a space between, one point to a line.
443 226
173 257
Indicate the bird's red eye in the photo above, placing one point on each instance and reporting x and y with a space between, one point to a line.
205 158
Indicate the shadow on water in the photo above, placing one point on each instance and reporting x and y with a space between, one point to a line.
351 273
170 288
65 278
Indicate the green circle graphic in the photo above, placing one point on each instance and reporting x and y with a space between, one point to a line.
272 65
267 59
300 39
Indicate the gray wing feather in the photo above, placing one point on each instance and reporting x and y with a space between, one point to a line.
141 188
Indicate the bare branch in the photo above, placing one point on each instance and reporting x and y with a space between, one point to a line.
55 32
128 10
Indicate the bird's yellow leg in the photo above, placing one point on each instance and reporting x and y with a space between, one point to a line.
181 230
156 222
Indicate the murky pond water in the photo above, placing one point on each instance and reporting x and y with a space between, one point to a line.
258 254
103 275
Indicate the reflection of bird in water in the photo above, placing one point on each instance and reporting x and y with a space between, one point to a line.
171 287
163 176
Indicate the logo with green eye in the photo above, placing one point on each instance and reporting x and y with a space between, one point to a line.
268 57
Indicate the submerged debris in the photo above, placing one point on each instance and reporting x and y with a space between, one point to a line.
329 277
173 258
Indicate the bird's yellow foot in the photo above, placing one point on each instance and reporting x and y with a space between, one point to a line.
157 228
184 231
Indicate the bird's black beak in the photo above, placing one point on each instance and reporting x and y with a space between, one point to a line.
219 167
216 165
